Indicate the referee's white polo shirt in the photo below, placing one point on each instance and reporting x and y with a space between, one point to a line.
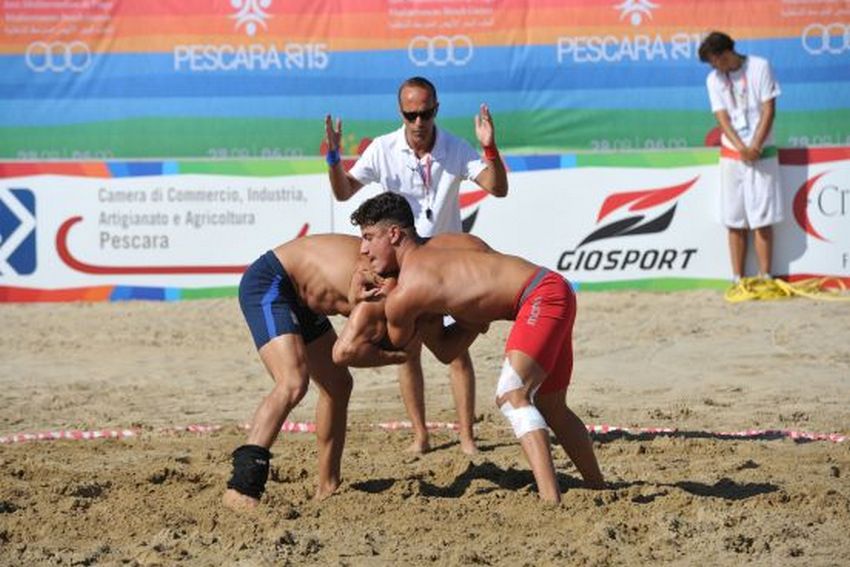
390 161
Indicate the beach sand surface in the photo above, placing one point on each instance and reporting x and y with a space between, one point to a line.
686 361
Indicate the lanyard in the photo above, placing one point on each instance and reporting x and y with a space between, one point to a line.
423 166
731 84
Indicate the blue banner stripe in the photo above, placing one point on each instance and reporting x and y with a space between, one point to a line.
206 87
530 68
126 293
795 97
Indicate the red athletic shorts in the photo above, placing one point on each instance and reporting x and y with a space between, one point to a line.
543 327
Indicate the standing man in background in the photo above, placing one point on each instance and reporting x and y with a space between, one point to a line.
743 91
426 165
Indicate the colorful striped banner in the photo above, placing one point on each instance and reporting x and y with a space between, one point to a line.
255 78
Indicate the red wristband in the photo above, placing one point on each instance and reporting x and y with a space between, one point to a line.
491 153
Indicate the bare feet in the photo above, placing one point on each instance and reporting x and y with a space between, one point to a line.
418 447
326 491
467 445
238 501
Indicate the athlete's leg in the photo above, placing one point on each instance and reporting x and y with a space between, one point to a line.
572 435
411 381
334 383
285 358
738 250
763 240
462 375
533 436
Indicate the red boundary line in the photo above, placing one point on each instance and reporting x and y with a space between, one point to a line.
310 427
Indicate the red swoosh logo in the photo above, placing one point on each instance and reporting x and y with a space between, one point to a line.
801 207
80 266
471 197
642 199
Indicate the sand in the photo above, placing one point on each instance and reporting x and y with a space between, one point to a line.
686 361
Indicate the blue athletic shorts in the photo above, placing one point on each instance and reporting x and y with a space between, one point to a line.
272 307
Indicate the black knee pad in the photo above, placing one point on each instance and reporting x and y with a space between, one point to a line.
250 470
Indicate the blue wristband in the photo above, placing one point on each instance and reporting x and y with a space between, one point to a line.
332 157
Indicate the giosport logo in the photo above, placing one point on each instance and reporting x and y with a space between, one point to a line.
620 259
17 232
639 47
271 56
826 200
440 50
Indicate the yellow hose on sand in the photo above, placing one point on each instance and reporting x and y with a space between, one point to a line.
759 288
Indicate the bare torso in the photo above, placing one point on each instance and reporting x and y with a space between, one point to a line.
470 285
320 267
458 241
363 339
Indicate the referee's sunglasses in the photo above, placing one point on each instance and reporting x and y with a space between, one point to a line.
425 115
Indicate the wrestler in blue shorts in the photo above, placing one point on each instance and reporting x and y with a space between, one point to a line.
271 305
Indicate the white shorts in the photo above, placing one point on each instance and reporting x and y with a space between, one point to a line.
749 193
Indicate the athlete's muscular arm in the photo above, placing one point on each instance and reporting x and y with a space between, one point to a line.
365 284
447 343
402 312
359 341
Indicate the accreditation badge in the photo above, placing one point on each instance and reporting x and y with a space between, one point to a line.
740 123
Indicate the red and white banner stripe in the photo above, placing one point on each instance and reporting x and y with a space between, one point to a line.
310 427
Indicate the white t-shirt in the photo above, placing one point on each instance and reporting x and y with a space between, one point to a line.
390 161
740 93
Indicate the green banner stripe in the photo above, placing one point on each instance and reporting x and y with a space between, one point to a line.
656 284
651 284
520 132
255 168
209 292
656 159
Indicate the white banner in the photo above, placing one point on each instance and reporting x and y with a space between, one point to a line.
158 231
595 225
611 224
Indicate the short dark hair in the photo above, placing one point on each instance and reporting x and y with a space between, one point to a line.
386 207
715 43
420 82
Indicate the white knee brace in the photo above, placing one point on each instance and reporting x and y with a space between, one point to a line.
509 380
524 419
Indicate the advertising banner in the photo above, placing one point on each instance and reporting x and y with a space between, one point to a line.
176 230
145 230
655 225
238 79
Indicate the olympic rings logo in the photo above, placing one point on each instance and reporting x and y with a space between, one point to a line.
58 56
440 50
831 38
